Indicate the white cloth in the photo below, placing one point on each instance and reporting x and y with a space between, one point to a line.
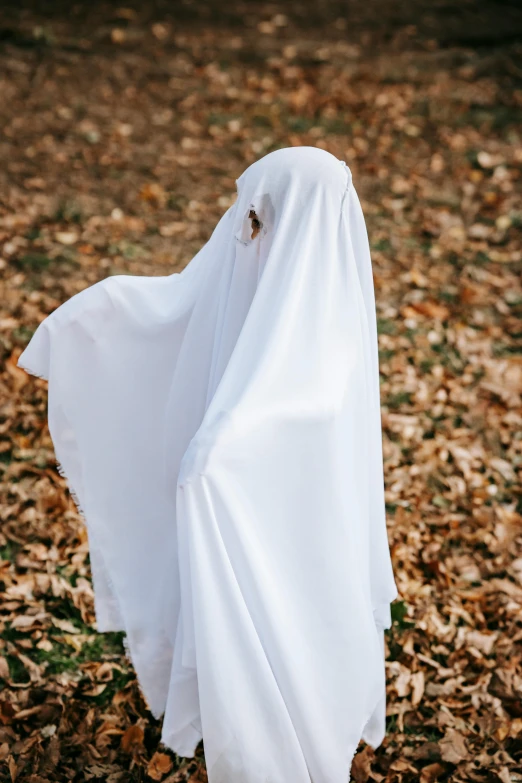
220 431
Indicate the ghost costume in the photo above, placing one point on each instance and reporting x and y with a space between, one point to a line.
220 432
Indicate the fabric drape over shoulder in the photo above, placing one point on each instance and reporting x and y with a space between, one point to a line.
220 431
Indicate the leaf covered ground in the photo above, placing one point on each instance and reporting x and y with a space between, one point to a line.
124 128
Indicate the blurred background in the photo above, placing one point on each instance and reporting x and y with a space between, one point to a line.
123 129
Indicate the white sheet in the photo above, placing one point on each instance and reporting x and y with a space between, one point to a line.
220 431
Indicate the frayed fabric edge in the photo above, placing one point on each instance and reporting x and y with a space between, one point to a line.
361 733
126 645
31 371
184 749
83 516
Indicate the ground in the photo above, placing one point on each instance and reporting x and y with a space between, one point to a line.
124 128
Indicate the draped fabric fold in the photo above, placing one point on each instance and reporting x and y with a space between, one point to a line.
220 431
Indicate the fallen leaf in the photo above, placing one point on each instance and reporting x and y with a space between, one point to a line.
159 765
431 773
453 747
362 765
432 310
20 377
12 768
417 683
132 738
66 237
4 668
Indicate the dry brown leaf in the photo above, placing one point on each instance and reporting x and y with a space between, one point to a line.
95 690
4 668
159 765
432 310
431 773
132 738
27 622
65 625
417 683
66 237
199 776
20 377
362 764
453 747
173 229
12 768
154 193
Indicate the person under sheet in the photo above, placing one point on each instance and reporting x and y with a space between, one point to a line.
220 431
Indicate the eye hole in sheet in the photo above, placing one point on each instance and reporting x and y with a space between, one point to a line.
258 218
256 224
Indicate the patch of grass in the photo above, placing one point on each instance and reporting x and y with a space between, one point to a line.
261 121
44 35
128 250
17 671
386 326
433 735
177 202
506 349
6 457
440 349
61 657
392 726
220 119
57 660
68 211
34 261
64 609
399 611
481 258
451 297
426 365
103 645
440 501
300 124
9 551
114 173
33 233
65 572
396 401
381 244
496 118
22 334
36 264
452 359
336 125
457 260
118 683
